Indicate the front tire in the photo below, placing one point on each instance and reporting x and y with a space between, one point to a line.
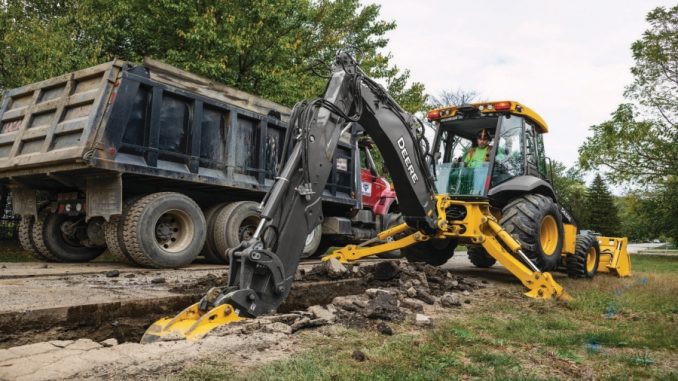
51 240
535 221
164 230
584 262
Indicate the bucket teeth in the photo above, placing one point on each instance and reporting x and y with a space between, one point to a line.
190 324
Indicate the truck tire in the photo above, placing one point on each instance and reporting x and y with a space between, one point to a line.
584 262
313 242
113 234
392 220
435 252
535 221
26 238
51 241
479 257
234 223
209 251
164 230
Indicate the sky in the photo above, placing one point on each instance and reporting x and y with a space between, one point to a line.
567 60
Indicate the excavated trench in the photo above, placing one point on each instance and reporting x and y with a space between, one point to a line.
127 321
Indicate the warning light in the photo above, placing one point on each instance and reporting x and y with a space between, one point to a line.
502 106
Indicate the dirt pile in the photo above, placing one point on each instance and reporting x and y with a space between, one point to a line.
394 291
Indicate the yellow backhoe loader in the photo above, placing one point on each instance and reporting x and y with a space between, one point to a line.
448 193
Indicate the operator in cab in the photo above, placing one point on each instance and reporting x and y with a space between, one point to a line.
479 153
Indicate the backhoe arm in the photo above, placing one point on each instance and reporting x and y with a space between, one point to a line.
262 269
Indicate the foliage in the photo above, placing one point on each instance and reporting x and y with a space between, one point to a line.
603 216
453 97
571 189
639 151
263 47
648 215
640 142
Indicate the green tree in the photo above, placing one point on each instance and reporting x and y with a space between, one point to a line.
263 47
640 142
571 189
603 216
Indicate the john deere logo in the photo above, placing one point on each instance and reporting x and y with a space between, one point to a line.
407 160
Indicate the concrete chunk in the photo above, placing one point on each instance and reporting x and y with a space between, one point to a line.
84 345
109 342
450 300
335 269
422 320
321 312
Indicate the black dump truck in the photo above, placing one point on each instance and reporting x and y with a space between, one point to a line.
156 165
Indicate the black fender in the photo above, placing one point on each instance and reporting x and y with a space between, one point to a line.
501 194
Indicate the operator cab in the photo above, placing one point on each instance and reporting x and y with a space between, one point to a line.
482 145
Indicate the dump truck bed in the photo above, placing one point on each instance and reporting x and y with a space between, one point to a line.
147 123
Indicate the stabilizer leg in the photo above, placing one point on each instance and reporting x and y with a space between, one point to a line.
355 252
540 285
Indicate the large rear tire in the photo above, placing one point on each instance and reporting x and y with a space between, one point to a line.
52 241
210 251
113 232
479 257
584 262
233 224
312 242
535 221
164 230
26 238
435 252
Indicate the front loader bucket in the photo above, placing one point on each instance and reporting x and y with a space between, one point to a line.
190 324
614 256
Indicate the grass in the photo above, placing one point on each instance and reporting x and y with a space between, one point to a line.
614 329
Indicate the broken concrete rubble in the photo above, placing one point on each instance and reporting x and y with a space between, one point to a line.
390 291
422 320
450 300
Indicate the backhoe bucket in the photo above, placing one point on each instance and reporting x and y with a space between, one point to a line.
190 324
614 256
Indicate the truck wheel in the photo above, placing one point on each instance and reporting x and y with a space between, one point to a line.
235 223
114 237
584 262
209 251
313 242
435 252
534 220
26 238
479 257
164 230
55 235
392 220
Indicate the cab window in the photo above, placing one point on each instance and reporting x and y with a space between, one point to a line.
509 157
